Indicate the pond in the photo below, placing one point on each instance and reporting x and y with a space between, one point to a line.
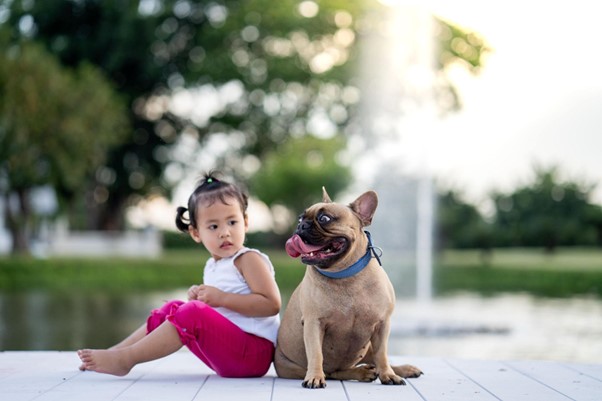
42 320
503 327
508 326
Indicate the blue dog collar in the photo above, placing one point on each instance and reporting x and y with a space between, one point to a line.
357 266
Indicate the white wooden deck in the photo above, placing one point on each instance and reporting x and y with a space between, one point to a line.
53 375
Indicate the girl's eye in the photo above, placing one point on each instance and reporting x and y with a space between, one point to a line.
232 222
213 227
324 218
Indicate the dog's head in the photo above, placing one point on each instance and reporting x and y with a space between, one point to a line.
331 234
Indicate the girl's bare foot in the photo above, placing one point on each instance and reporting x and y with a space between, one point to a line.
82 367
109 361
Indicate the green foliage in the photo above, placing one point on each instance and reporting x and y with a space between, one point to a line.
294 173
287 65
56 125
460 224
456 46
547 213
152 49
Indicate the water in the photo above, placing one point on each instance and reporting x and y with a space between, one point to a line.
502 327
42 320
516 326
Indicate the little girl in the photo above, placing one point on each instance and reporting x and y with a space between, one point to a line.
231 321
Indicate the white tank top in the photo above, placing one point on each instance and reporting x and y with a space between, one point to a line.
224 275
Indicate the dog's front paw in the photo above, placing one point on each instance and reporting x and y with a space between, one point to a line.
314 382
391 379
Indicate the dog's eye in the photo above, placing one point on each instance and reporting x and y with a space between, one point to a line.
324 218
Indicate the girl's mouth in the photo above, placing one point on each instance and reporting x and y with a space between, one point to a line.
226 245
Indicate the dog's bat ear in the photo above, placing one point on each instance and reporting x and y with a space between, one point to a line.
325 197
365 206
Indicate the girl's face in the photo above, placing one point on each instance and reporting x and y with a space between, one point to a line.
220 228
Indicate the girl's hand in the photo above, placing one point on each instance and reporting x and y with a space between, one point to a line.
193 292
209 295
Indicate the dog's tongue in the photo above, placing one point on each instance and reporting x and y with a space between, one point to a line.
296 247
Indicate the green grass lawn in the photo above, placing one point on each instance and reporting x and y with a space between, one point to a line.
174 269
565 273
524 258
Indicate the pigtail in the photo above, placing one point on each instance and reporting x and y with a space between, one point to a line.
182 223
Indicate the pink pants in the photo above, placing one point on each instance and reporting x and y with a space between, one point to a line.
215 340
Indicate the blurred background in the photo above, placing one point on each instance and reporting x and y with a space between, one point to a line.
477 124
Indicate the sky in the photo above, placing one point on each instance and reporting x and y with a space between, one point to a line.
537 101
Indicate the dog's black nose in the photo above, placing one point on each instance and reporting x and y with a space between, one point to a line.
304 225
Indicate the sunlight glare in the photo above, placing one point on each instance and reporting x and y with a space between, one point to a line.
308 9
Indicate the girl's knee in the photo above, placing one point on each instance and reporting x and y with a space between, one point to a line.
192 311
190 318
159 315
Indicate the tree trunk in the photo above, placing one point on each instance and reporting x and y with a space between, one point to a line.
111 214
18 221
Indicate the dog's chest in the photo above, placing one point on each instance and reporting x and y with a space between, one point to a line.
348 326
353 307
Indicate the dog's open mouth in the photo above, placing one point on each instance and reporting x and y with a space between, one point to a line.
313 254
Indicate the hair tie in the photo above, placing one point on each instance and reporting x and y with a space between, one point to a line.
209 180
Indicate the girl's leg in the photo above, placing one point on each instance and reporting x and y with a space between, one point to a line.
161 342
133 338
219 343
155 319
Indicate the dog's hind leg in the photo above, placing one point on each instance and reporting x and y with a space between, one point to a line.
407 371
362 373
287 369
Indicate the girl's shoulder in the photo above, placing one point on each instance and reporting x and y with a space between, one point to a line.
252 255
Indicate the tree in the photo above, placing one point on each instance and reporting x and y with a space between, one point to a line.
55 128
460 224
294 173
547 213
289 60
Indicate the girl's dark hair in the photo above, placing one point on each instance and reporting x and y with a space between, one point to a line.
209 190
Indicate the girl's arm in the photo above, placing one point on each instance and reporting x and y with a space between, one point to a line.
264 299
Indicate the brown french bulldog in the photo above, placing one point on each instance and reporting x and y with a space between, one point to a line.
336 324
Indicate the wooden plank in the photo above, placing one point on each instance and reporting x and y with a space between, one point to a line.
442 382
53 376
234 389
566 381
178 377
28 375
505 383
377 391
591 370
95 386
291 390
